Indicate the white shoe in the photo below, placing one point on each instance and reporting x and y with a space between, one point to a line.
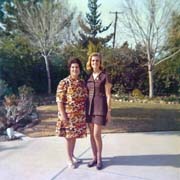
76 160
71 165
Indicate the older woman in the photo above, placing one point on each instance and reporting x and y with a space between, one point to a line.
70 97
98 106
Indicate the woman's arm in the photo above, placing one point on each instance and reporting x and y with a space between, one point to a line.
61 99
61 111
108 96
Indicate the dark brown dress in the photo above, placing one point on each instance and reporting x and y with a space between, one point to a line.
97 101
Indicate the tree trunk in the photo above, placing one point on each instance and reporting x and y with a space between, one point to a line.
151 83
48 73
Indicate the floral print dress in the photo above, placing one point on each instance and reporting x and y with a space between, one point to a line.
72 93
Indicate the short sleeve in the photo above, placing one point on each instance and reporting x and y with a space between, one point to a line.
61 91
108 79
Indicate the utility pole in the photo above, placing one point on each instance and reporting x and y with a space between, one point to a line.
115 24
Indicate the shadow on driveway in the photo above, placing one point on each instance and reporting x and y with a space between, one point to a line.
144 160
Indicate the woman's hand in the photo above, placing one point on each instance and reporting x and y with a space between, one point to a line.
108 116
63 117
61 112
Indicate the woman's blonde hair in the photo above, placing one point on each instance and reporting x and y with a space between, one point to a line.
88 64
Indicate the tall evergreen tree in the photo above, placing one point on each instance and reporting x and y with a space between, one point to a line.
92 27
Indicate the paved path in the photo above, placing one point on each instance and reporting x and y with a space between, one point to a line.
127 156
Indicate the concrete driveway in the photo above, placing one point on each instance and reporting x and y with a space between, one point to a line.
126 156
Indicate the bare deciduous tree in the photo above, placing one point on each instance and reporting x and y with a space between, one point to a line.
147 24
44 24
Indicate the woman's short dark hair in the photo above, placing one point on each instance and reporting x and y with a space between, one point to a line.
74 60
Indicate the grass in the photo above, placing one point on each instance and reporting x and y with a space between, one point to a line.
126 117
132 117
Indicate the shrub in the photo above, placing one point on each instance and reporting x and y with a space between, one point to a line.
172 98
137 93
18 110
25 91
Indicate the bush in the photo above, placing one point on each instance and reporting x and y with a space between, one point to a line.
172 98
118 89
25 91
18 110
137 93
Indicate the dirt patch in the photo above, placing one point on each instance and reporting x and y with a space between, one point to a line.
47 124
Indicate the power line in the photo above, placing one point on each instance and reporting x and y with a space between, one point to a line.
115 24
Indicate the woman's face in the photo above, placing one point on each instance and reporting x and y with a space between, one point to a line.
95 62
74 70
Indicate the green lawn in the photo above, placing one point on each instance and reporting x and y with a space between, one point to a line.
126 117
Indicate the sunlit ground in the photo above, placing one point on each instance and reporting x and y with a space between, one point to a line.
126 117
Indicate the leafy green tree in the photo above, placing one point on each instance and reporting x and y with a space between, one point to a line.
3 87
174 32
43 23
126 67
167 80
168 72
93 47
3 15
92 26
16 59
75 50
21 65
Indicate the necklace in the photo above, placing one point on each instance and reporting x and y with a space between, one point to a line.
95 75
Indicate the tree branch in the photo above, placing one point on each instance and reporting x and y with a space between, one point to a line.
166 58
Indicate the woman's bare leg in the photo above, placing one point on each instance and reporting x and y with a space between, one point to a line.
73 146
98 141
70 148
93 143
